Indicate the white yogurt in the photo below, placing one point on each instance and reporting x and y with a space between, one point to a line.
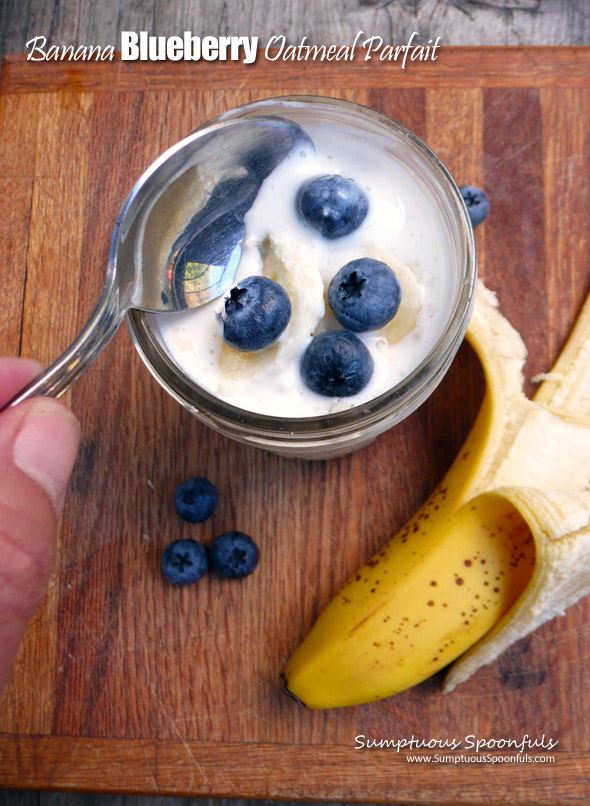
402 228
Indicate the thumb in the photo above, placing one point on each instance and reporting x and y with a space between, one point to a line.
38 444
44 446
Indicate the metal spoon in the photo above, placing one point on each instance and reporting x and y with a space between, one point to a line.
177 239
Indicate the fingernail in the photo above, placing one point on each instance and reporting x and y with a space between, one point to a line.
45 447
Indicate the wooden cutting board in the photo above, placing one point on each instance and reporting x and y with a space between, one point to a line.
127 684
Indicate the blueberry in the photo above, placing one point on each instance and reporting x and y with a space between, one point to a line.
364 295
184 562
333 205
234 555
254 314
195 499
336 364
477 203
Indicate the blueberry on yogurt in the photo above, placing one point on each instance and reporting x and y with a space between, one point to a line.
334 205
254 313
336 363
364 295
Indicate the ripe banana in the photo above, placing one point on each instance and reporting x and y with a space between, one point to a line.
500 547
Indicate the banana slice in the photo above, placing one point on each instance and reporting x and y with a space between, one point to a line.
405 319
296 269
411 303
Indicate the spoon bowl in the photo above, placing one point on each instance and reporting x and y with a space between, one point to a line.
177 239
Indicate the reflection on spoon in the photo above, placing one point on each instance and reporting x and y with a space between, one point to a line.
238 155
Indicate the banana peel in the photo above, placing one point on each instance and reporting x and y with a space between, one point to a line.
532 456
560 524
542 466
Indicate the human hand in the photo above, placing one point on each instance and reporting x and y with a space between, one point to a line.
38 443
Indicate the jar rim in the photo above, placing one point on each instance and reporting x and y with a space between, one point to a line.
378 413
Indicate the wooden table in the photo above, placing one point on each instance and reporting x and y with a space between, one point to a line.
126 684
460 22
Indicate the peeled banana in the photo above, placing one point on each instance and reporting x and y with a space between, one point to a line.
500 546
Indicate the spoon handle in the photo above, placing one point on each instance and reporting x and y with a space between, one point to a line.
94 336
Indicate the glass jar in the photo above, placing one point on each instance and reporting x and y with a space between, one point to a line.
337 433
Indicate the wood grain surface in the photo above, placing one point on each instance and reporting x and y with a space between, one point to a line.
127 684
457 22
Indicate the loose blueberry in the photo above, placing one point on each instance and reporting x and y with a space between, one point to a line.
254 314
333 205
184 562
195 499
477 203
336 364
364 295
234 555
